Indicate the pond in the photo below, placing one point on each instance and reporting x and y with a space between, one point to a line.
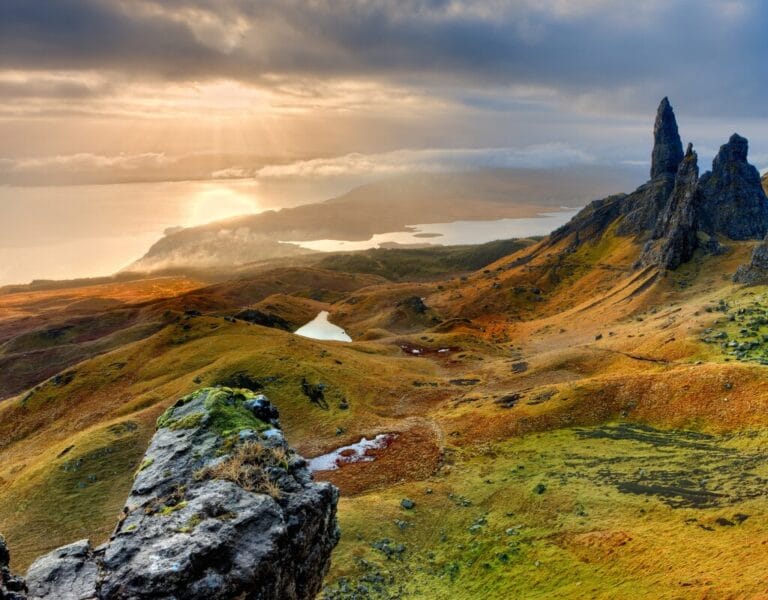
320 328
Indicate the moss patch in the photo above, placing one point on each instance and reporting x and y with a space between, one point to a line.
188 422
229 415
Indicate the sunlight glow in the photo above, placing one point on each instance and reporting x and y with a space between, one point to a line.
215 202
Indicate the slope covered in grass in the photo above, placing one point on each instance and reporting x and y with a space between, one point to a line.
565 425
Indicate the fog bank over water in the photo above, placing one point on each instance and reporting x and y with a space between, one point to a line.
65 232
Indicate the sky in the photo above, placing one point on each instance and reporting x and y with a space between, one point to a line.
296 99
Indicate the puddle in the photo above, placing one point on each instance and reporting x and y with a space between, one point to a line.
417 350
320 328
354 453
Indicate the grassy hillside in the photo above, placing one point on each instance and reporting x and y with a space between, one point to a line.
564 425
398 264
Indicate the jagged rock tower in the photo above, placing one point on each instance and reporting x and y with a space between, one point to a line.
676 212
677 224
733 200
667 147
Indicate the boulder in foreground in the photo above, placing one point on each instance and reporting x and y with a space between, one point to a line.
220 508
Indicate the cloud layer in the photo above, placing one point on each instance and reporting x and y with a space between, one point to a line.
544 48
301 79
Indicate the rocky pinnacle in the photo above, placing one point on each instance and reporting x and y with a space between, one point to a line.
667 147
677 225
734 203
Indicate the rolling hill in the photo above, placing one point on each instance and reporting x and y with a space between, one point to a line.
583 415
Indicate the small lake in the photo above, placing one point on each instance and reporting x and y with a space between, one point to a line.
320 328
453 234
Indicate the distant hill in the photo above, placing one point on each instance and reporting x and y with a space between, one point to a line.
381 207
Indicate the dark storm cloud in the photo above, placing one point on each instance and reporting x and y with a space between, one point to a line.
83 34
607 55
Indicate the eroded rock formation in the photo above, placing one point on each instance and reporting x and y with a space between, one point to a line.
667 147
733 200
676 212
221 508
675 233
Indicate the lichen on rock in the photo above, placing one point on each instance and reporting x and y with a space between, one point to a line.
220 508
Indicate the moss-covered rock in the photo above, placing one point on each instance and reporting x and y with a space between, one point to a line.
217 497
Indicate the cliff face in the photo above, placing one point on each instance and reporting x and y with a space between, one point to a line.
221 508
676 227
676 212
733 200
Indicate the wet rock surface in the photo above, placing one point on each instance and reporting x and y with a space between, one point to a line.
220 508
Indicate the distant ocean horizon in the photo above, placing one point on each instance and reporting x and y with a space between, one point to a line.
67 232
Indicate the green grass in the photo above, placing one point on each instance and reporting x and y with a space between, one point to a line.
71 494
740 330
564 515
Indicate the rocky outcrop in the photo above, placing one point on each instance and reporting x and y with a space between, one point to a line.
221 508
675 234
756 270
12 587
637 213
733 201
667 147
676 212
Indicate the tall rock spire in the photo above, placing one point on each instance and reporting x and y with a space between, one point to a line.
674 238
667 147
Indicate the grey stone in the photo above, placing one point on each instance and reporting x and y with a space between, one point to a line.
67 573
733 201
667 147
187 534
